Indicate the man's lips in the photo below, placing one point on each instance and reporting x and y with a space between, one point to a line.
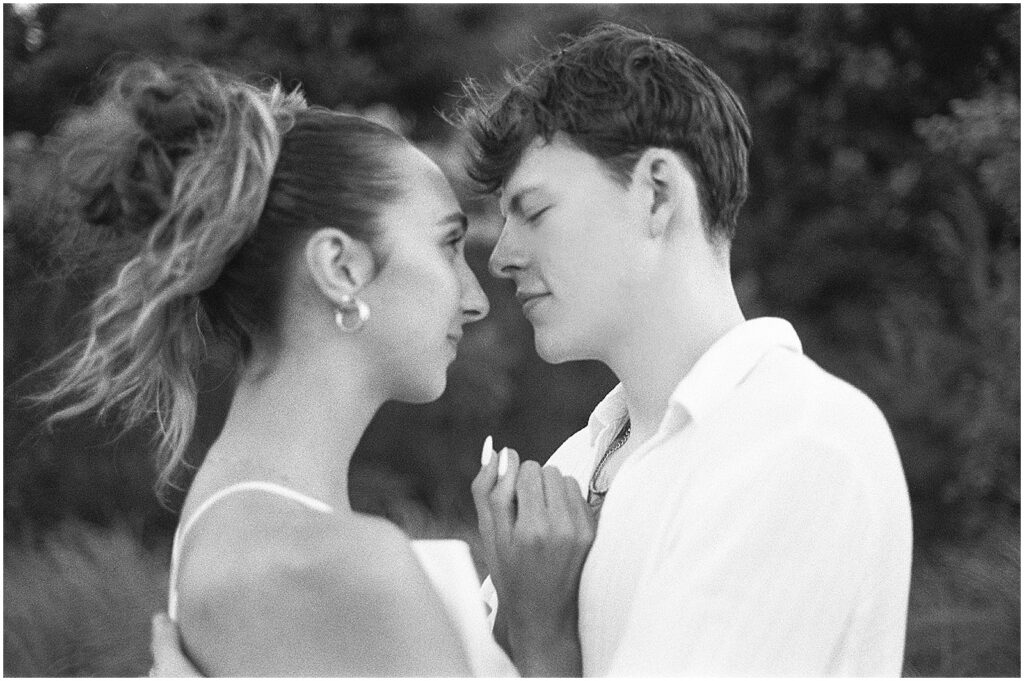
530 300
524 298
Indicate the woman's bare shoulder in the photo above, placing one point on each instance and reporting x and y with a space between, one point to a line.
276 588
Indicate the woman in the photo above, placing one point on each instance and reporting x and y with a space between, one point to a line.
326 253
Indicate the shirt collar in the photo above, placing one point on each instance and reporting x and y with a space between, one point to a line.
609 411
728 361
718 371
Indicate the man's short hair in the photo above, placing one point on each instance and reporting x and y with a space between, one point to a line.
616 92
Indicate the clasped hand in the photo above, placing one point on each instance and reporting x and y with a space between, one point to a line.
536 530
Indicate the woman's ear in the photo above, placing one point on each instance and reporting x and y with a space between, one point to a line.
668 189
339 264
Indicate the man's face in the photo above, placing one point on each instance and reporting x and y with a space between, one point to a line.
569 239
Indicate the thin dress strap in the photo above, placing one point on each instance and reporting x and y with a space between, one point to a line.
183 528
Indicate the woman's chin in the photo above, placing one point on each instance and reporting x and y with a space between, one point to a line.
425 392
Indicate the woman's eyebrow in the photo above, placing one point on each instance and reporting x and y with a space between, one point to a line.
458 219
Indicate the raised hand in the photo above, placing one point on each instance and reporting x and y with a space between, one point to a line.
536 530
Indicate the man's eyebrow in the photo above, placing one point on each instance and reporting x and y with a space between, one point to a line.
515 204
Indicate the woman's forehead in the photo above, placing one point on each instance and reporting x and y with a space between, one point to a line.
425 193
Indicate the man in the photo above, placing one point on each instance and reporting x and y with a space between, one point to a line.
754 517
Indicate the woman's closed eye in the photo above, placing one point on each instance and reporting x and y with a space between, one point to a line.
456 241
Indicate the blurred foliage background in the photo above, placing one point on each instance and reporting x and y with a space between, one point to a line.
884 222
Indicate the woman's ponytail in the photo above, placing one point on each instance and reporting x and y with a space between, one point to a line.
179 160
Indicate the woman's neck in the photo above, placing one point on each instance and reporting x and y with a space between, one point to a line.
298 423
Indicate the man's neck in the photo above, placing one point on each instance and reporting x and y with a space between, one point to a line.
663 349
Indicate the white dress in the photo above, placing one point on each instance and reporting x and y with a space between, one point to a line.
446 562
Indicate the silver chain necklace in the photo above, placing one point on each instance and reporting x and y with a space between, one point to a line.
595 496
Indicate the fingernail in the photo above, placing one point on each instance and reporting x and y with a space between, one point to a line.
488 451
503 461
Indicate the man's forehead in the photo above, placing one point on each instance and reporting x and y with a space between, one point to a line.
519 186
532 172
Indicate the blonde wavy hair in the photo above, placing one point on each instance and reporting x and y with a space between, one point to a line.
180 159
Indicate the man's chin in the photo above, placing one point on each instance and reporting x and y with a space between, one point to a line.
553 350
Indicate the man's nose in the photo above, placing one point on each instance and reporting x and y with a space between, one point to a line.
475 305
505 258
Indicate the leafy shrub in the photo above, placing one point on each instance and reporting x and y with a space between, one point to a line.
78 601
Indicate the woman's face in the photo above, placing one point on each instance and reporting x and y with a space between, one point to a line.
425 291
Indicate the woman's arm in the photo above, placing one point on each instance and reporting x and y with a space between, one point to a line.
169 660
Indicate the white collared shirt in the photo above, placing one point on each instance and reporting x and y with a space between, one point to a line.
764 530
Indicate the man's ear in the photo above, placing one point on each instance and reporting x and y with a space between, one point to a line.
339 264
668 189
